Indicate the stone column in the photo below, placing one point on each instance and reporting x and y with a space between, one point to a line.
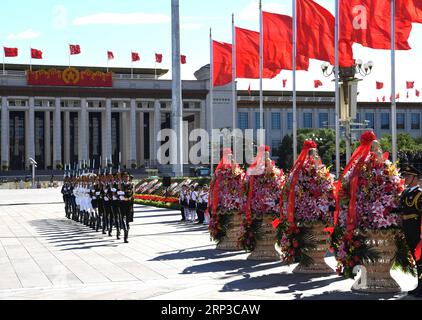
47 140
157 129
57 136
30 132
132 134
141 136
66 137
4 134
203 116
107 133
83 129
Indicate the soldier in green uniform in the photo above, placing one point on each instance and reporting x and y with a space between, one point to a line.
411 211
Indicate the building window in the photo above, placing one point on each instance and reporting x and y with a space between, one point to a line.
385 121
416 121
401 121
307 120
150 105
258 120
358 117
275 144
370 118
290 121
243 120
323 120
90 104
115 104
163 105
276 121
186 105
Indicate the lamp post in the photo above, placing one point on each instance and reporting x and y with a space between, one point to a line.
348 95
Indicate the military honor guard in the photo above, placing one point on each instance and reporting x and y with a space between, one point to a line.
411 211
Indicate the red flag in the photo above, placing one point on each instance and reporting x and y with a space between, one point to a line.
398 96
278 43
247 56
284 83
380 85
10 52
249 89
315 37
36 54
410 9
222 63
75 49
368 22
110 55
417 92
378 99
158 58
183 59
135 57
410 84
383 99
317 84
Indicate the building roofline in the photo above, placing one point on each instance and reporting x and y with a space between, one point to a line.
118 70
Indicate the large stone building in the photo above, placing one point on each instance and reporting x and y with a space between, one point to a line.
68 124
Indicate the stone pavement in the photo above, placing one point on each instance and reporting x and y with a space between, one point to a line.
45 256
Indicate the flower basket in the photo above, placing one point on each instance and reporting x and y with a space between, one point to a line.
375 275
229 240
313 259
265 242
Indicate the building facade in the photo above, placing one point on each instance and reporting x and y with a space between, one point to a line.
58 125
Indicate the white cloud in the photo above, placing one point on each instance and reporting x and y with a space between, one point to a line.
251 11
60 17
122 18
24 35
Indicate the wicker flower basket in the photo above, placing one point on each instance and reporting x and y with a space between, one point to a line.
229 242
375 276
265 245
317 254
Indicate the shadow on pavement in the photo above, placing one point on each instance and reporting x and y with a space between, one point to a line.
199 255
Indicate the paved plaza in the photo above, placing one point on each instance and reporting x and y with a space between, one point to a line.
45 256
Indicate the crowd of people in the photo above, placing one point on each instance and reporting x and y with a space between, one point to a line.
194 203
100 202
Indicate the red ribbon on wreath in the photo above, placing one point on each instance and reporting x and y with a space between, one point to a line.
358 159
252 171
308 145
418 250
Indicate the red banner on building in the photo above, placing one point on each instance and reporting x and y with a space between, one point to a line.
70 77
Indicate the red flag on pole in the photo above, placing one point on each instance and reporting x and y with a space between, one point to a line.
410 84
10 52
398 96
368 22
249 89
378 99
417 92
135 57
183 59
74 49
315 37
380 85
278 43
222 63
247 56
110 55
317 84
36 54
410 9
284 83
158 58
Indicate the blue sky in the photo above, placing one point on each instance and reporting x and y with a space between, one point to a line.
144 26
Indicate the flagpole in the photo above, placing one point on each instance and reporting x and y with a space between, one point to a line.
131 69
393 82
294 29
337 95
155 69
234 93
4 70
107 62
30 58
211 97
261 67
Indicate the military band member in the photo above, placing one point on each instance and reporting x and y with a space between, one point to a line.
182 203
201 205
411 211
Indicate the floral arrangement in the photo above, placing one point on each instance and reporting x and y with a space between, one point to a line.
264 182
368 192
156 198
308 197
226 195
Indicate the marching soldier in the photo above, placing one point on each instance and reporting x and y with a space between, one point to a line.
115 206
411 211
125 197
66 191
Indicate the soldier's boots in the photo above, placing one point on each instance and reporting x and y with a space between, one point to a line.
126 236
